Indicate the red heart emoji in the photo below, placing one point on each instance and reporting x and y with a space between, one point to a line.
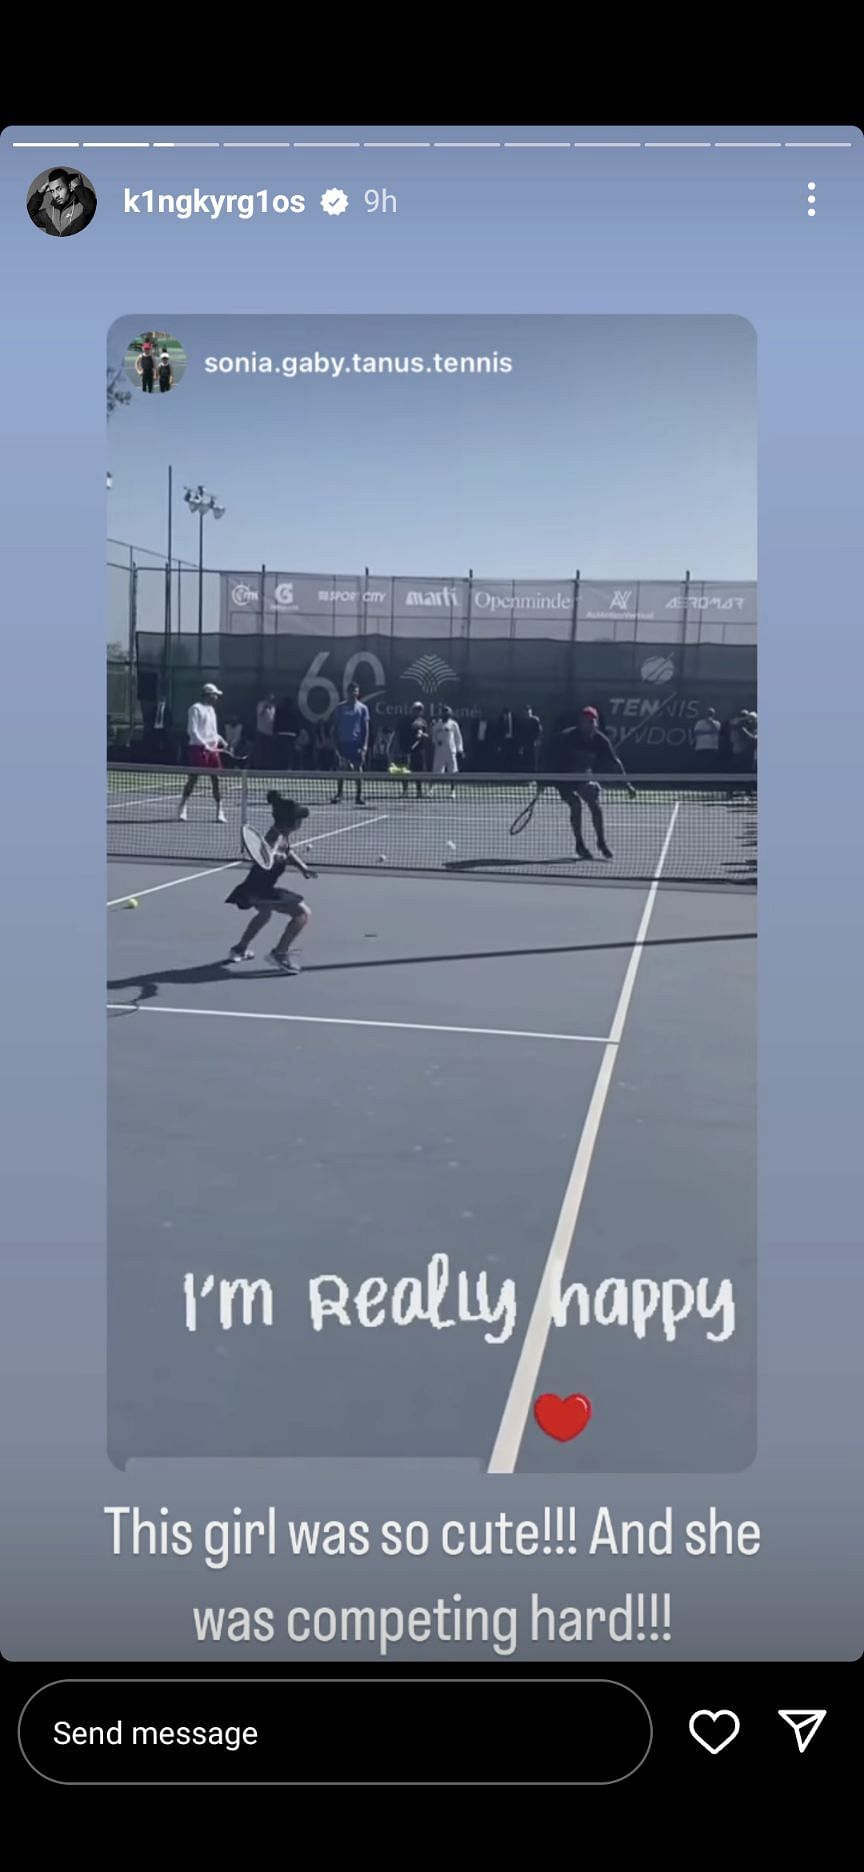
563 1418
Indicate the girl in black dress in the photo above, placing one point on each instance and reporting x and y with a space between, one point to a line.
261 891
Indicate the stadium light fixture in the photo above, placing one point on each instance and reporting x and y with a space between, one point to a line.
199 501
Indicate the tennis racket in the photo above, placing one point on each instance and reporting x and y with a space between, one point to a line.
257 848
524 817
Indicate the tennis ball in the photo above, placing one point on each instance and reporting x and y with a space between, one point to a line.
132 903
382 858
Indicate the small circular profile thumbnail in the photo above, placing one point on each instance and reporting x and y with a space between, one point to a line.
155 362
61 202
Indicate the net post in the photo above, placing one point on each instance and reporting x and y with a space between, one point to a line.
244 798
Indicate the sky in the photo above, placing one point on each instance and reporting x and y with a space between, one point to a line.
621 447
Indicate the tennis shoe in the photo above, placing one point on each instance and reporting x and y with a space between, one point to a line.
603 849
221 817
284 962
582 850
241 955
183 814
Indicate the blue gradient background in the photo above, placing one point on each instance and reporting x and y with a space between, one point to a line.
525 474
607 231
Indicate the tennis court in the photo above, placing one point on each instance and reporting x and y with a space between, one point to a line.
476 1062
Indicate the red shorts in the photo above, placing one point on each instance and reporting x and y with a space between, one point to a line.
204 757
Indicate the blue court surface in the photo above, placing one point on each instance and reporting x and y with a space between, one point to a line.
486 1086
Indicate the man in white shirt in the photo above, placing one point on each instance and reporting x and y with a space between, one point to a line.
447 744
706 741
205 743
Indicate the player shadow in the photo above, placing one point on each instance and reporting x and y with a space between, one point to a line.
149 984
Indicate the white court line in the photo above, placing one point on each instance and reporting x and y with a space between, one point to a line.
141 799
338 830
333 1020
172 883
511 1429
236 864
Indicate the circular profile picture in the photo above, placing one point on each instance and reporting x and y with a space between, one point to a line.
61 202
155 362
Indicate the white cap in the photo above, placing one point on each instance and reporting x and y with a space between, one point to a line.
211 689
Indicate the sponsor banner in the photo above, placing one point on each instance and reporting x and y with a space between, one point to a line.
430 607
501 607
368 601
644 609
607 604
287 602
721 603
654 611
627 611
241 606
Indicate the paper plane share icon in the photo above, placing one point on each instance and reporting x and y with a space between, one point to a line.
805 1724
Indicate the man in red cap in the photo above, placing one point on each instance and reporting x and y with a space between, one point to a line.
581 749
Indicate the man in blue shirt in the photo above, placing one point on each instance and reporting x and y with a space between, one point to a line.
351 739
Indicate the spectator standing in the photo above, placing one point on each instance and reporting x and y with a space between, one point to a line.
381 748
529 737
503 742
323 751
706 741
414 745
742 735
236 742
447 744
288 721
265 729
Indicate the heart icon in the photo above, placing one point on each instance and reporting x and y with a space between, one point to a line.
708 1720
563 1418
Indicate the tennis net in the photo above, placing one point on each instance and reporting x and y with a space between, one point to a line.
685 828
